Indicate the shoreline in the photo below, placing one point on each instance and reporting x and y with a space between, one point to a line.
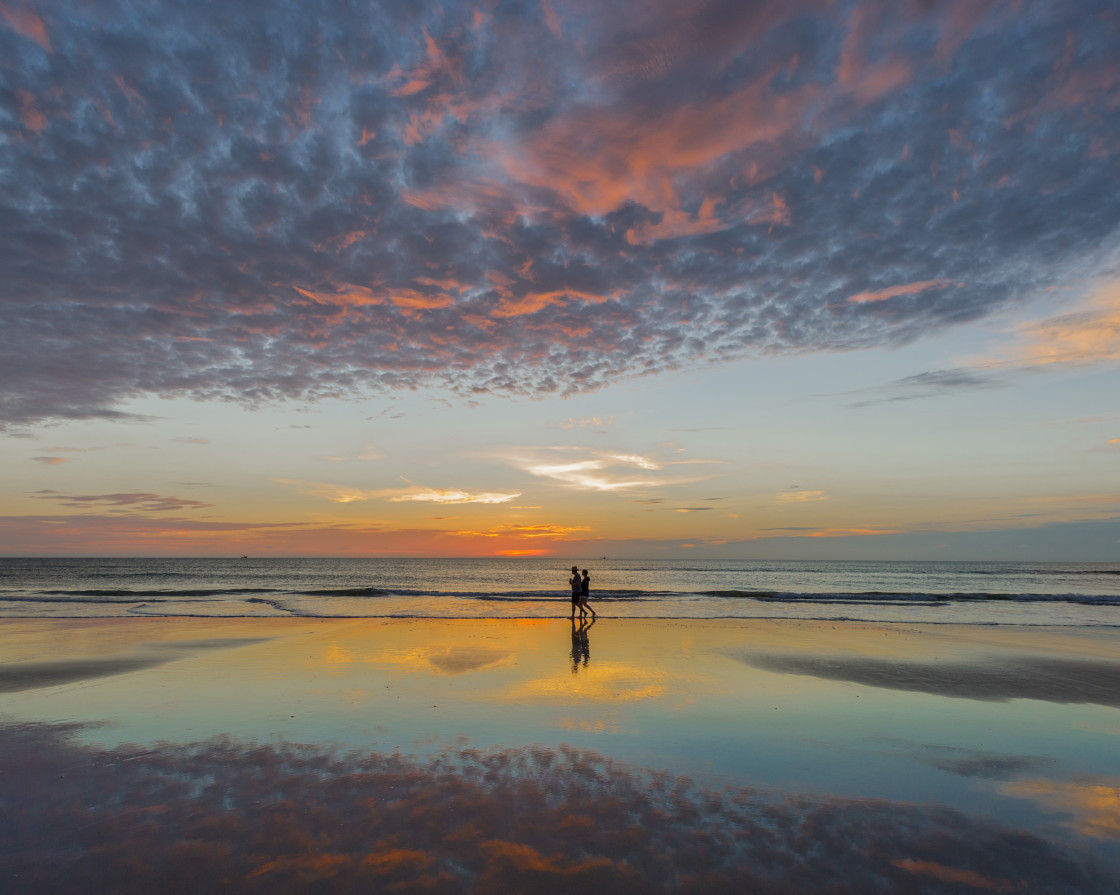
132 643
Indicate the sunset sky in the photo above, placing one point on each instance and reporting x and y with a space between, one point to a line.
670 278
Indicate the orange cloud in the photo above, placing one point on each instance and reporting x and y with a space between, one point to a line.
418 493
543 530
348 296
414 300
525 858
801 496
439 495
532 302
598 159
1091 335
851 532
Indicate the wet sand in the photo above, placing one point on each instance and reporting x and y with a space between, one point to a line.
434 755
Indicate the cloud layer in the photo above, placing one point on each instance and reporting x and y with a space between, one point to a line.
268 201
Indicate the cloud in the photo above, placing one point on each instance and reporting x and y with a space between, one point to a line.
1089 335
50 461
439 495
303 200
539 530
411 493
932 384
904 289
328 491
24 20
127 501
801 496
600 470
586 422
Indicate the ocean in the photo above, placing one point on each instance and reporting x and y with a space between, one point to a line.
985 593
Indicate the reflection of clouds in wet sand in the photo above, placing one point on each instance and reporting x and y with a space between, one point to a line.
1021 677
973 762
222 816
448 660
15 677
589 725
599 682
1094 803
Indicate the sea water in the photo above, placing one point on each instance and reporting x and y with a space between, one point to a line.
990 593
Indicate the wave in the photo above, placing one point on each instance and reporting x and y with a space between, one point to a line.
886 597
352 592
145 593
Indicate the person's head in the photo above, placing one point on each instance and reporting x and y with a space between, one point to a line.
585 575
575 568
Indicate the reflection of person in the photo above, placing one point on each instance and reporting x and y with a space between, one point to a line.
584 593
581 644
574 581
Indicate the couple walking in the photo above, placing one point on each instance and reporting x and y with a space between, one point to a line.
581 587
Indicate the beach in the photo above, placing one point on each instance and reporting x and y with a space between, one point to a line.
505 755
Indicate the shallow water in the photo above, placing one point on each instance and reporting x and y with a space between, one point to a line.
1076 594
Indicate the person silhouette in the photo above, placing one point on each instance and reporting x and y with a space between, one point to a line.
584 594
576 585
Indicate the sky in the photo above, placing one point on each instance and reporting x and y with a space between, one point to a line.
675 279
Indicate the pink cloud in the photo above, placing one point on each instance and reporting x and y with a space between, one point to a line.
905 289
24 20
29 114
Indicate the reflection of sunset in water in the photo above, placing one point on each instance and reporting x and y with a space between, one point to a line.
598 682
444 659
1094 804
586 725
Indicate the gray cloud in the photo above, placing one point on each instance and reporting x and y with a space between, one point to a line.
141 501
292 200
932 384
